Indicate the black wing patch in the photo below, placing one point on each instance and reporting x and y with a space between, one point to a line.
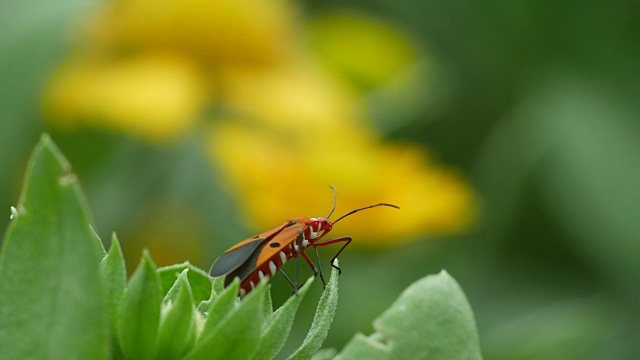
244 270
235 258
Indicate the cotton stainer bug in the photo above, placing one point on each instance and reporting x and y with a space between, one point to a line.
264 254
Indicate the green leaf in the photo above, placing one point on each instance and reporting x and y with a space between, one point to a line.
97 242
237 335
275 332
177 326
114 279
51 303
321 321
139 313
199 281
218 285
430 320
267 308
324 354
221 307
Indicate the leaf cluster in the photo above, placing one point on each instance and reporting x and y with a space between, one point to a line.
64 297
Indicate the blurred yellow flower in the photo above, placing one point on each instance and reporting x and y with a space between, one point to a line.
294 94
155 97
297 132
294 122
216 32
281 174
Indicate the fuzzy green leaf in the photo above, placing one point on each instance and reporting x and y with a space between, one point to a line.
220 308
324 354
199 281
275 332
321 321
51 303
237 335
97 242
267 308
218 285
177 326
139 313
114 279
430 320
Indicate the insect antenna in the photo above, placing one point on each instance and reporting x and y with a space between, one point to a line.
364 208
335 198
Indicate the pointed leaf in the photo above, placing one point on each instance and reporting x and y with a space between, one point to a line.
275 333
139 313
177 326
221 308
322 320
237 335
114 278
430 320
97 242
199 281
217 288
218 285
51 303
267 307
324 354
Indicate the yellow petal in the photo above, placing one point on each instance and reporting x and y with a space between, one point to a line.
296 94
276 177
154 97
215 31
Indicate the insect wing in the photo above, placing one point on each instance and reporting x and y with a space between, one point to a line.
247 268
280 242
267 250
239 253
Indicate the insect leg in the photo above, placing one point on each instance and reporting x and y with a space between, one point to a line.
314 268
295 288
324 283
346 240
299 249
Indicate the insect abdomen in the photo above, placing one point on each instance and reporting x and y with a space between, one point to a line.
267 269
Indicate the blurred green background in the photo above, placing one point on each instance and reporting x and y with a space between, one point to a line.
533 103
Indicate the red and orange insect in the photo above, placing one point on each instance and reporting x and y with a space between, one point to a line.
263 255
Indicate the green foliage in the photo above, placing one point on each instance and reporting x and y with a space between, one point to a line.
139 314
51 303
280 323
178 322
321 322
64 297
199 281
430 320
114 280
